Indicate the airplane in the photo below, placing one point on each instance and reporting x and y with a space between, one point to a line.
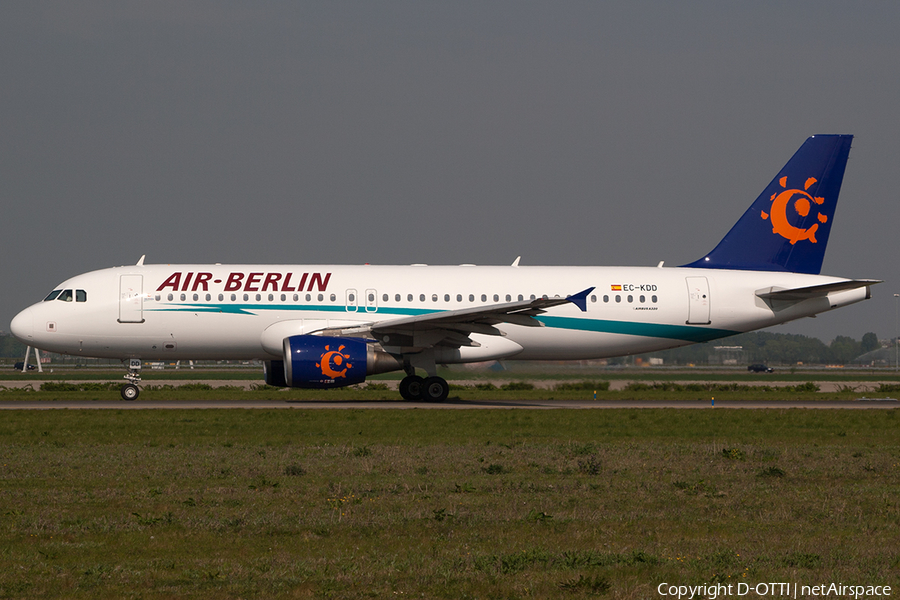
325 326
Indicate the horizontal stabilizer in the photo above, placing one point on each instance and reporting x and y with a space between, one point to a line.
814 291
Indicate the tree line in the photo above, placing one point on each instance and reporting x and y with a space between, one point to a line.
773 349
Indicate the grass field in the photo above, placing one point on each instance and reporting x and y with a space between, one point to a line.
443 504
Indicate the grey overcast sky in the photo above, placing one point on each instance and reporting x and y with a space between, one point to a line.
584 133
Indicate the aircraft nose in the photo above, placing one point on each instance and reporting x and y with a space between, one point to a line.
22 326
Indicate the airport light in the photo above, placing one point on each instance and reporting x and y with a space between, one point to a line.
897 333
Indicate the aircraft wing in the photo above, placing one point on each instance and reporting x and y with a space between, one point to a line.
813 291
452 327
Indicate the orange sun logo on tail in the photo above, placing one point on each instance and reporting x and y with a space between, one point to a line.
801 202
332 360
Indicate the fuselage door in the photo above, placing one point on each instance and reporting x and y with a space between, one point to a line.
131 301
698 301
352 301
371 301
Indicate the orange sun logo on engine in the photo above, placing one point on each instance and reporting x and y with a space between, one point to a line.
332 360
801 202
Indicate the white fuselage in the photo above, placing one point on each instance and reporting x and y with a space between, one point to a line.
173 312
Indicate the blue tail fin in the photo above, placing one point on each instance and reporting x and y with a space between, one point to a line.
787 228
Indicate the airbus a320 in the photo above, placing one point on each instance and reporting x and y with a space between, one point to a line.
324 326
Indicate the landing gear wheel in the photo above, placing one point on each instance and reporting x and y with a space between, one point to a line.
412 387
130 391
436 389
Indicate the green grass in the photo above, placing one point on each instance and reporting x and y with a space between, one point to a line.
442 504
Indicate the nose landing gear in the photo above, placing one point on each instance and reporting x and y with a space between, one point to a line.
130 391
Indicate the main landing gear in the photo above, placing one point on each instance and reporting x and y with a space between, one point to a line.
130 390
429 389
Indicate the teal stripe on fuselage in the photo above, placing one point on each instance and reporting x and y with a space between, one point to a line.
687 333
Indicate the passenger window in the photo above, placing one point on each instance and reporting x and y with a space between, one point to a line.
321 297
234 297
258 297
643 299
80 296
271 297
434 297
409 297
508 298
157 298
496 297
421 297
372 297
618 298
283 297
630 298
446 297
396 297
352 297
52 295
459 297
384 297
296 297
484 297
605 298
183 297
333 297
308 297
246 297
521 297
653 299
471 297
196 297
169 297
65 296
593 297
221 297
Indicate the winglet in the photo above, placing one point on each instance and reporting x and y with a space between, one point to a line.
580 299
140 262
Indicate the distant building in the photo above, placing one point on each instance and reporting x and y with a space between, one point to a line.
727 355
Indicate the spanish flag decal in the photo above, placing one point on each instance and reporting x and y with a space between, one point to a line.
616 288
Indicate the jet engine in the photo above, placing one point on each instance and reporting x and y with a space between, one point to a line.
312 361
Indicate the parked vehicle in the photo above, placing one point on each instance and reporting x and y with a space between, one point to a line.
759 368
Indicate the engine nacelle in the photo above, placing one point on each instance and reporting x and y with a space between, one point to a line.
312 361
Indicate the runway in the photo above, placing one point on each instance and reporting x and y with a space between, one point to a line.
451 404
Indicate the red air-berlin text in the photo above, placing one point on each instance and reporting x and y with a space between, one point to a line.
247 282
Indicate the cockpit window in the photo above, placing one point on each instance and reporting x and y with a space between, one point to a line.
52 295
65 296
80 296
